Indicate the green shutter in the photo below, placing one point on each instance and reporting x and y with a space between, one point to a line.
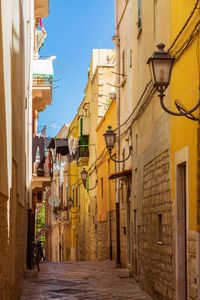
81 126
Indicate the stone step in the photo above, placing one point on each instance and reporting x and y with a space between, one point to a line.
124 273
30 273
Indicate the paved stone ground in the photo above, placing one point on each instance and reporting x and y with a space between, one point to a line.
80 280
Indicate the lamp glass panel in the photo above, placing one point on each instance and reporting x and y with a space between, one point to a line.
84 175
110 140
162 71
151 71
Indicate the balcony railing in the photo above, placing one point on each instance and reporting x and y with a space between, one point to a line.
83 146
42 83
83 150
43 72
42 80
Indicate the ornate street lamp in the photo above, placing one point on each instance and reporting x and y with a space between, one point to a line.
110 139
160 64
84 176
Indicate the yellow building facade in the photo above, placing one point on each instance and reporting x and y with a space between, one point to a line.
83 127
73 188
184 86
100 81
106 189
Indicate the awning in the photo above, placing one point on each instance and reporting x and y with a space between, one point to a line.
123 173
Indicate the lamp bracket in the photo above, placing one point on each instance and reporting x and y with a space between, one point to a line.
185 113
91 188
119 161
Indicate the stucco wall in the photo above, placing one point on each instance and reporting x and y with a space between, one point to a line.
13 178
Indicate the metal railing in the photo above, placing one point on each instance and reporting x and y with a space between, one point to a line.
42 80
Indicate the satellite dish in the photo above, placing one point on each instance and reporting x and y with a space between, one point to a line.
54 201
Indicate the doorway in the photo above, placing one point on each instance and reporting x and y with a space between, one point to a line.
181 232
128 227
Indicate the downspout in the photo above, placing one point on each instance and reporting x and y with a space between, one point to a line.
117 45
30 230
110 233
30 110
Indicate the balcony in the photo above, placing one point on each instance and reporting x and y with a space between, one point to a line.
83 151
41 8
42 83
40 183
42 172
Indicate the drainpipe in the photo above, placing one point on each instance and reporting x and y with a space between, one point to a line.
29 105
117 45
110 231
30 229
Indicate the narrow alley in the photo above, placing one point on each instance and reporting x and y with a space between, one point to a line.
80 280
100 149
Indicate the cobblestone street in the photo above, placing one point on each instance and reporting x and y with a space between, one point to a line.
80 280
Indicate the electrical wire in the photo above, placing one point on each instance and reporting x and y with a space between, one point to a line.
184 26
178 51
140 99
188 41
178 104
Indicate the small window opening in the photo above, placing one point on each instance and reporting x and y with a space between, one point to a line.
160 228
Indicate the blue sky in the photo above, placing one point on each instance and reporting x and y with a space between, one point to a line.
74 28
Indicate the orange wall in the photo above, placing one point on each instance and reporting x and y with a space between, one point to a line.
105 166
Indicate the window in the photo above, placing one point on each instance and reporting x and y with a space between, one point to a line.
130 64
139 14
135 225
123 62
67 191
102 187
123 157
160 229
61 192
83 146
136 151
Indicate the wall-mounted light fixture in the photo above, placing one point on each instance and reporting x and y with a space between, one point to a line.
110 139
160 64
84 176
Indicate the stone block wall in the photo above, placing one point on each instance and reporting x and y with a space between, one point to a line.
123 226
192 266
113 231
12 256
4 250
103 240
96 241
156 257
90 239
20 251
81 243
